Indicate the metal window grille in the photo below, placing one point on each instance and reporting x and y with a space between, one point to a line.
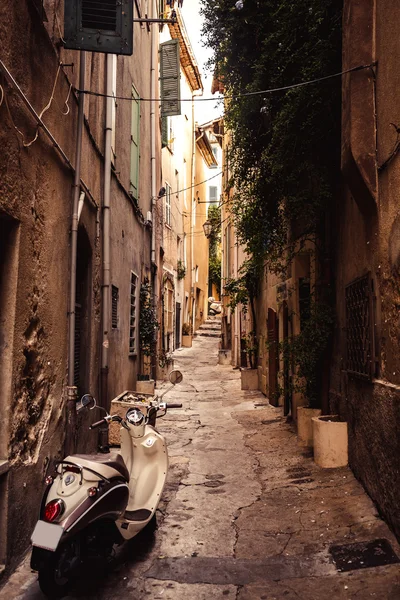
99 25
114 306
359 295
99 14
132 316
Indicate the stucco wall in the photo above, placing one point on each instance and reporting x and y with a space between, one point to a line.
368 240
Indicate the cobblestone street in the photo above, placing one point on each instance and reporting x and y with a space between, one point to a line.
246 514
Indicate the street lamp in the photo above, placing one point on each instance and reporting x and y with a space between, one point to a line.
207 227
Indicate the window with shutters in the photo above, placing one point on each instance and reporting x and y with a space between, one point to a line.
168 307
170 79
99 25
167 204
215 152
114 306
213 194
135 144
133 315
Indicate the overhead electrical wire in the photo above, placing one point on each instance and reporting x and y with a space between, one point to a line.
234 96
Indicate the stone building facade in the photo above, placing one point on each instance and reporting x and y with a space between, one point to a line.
36 188
365 371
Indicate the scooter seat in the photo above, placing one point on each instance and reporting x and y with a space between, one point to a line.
112 459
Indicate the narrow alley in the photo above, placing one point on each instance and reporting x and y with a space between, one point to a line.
246 514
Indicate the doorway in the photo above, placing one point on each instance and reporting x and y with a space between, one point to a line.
9 248
273 357
83 313
178 325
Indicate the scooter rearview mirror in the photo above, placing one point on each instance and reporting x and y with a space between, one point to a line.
87 401
175 376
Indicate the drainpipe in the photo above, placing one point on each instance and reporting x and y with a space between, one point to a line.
237 357
106 233
193 208
72 391
153 75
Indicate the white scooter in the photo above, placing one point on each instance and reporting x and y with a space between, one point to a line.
94 501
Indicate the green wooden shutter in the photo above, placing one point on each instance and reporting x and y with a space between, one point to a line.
135 145
170 79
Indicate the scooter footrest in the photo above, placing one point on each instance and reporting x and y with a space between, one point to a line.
137 515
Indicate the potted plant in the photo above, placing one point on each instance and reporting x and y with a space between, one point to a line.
249 373
148 326
187 337
165 363
180 270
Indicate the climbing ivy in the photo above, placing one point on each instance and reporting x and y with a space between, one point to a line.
214 264
148 323
284 148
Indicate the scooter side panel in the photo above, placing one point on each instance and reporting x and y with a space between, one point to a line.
109 503
149 466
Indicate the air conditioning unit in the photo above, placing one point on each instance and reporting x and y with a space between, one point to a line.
99 25
149 216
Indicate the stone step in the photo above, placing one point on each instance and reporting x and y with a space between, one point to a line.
210 326
203 333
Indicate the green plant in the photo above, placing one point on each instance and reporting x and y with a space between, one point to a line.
148 323
164 358
306 351
214 261
284 148
249 345
181 270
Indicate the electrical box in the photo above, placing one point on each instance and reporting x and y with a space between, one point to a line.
99 26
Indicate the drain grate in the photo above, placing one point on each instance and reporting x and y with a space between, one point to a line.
363 555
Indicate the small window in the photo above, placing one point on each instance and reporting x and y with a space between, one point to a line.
133 316
169 307
215 152
114 307
213 194
167 204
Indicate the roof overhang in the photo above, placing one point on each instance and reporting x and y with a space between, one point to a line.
187 58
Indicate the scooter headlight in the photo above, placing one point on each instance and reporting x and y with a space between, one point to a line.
134 416
53 510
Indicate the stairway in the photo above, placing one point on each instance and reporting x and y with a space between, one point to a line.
210 328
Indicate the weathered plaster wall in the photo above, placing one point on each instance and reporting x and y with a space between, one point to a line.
368 239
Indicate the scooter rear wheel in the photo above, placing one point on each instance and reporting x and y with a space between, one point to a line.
54 580
51 583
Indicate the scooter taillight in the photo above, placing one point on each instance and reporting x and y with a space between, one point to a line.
53 510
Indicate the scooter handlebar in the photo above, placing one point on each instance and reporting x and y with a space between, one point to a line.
173 405
97 424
